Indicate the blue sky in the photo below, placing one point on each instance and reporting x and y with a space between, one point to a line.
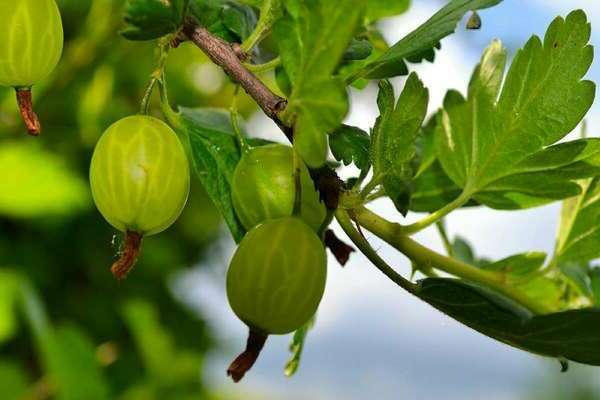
372 340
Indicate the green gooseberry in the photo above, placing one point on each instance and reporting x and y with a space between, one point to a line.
140 180
277 276
264 187
32 44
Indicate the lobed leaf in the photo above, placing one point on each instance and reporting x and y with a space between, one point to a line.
227 19
377 9
420 43
215 155
350 144
151 19
579 233
393 139
494 145
432 189
312 38
573 335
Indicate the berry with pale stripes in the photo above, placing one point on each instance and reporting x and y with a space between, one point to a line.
140 181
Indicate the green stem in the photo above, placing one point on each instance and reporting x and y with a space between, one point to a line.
269 13
375 195
297 183
363 245
444 236
394 235
170 114
145 104
369 187
157 76
436 216
233 112
258 68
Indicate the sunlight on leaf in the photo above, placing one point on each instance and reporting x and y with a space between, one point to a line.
37 183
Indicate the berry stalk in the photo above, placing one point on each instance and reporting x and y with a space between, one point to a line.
245 361
30 118
131 250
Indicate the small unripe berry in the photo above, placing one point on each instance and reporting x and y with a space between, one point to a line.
264 188
277 276
31 46
139 177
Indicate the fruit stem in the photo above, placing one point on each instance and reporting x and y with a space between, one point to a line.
297 165
129 254
26 108
245 361
235 123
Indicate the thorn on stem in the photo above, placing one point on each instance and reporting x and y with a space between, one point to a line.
246 360
178 39
564 364
30 118
340 250
129 254
239 52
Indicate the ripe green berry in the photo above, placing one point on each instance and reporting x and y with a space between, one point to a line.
264 188
31 48
140 178
276 278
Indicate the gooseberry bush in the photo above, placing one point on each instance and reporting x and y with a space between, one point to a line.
500 146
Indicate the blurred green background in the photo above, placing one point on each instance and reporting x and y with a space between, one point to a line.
68 330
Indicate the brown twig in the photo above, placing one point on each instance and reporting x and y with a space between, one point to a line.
32 123
129 254
245 361
225 55
229 58
340 250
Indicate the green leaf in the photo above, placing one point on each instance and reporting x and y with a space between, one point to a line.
157 346
377 9
76 369
578 275
579 233
433 189
13 381
358 50
545 176
463 251
393 145
151 19
68 355
35 171
495 148
420 43
312 38
253 3
573 335
518 266
240 20
350 144
320 108
9 295
426 146
215 154
595 284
